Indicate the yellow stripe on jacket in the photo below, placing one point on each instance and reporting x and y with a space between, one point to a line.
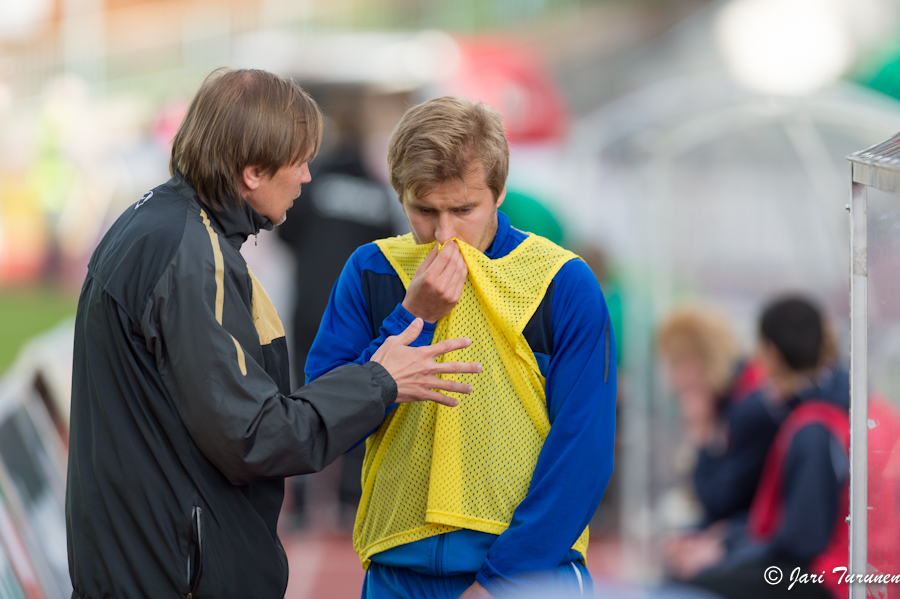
219 262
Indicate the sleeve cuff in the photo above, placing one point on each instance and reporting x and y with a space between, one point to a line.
400 319
384 379
492 580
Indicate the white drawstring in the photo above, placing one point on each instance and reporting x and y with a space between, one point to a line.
580 580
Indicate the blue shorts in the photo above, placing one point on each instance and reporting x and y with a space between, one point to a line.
390 582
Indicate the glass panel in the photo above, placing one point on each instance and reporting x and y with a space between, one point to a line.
729 210
883 548
16 570
38 487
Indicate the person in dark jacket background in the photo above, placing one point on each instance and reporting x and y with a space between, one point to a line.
183 424
342 208
796 519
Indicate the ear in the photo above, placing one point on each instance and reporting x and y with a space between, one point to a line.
501 197
251 177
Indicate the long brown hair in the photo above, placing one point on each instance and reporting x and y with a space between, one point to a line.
240 118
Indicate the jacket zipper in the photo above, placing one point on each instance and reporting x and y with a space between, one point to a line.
606 359
439 556
287 567
196 519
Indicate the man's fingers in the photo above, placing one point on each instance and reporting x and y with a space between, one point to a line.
449 345
445 259
440 398
411 332
452 247
458 278
457 367
452 280
453 386
428 259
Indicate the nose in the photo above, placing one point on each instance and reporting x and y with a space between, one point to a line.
305 177
445 230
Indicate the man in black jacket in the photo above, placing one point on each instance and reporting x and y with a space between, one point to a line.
183 424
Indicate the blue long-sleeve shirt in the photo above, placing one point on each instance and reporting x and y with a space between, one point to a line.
815 471
726 480
574 346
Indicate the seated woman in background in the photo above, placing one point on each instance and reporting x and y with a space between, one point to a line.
726 419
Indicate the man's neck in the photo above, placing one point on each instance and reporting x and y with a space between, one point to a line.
490 246
790 385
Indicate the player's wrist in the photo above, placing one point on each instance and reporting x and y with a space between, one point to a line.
418 312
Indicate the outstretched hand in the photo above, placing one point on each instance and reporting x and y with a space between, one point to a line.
415 371
437 284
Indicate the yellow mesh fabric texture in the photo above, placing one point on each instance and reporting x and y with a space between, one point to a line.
430 469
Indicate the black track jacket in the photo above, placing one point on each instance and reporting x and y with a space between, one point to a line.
183 426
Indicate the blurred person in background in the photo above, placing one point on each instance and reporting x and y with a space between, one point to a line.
726 420
183 424
342 208
796 519
486 500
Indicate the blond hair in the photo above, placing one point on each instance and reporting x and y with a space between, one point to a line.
695 331
241 118
447 138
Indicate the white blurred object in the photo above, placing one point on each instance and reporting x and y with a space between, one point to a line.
21 18
784 47
83 38
870 22
82 220
6 100
392 62
48 355
33 394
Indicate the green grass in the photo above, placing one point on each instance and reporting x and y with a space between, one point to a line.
27 312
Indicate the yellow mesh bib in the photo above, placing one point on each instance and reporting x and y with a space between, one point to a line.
430 469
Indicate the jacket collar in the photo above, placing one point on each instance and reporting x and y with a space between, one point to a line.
831 385
235 223
500 238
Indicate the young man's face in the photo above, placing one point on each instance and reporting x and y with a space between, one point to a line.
464 209
273 196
